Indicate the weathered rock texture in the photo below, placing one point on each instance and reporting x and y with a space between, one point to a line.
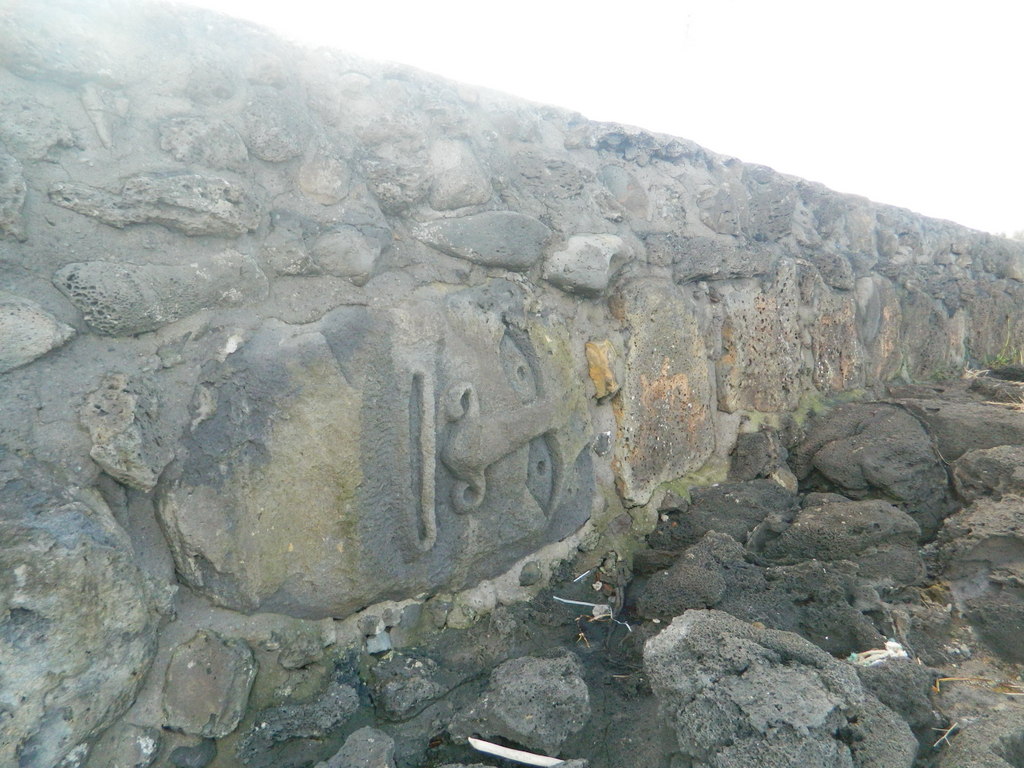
316 330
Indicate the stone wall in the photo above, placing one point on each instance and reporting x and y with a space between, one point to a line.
292 334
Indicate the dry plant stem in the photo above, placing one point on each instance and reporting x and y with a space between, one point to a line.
946 733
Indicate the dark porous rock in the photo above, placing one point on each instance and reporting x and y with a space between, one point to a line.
825 603
880 538
739 695
537 703
989 472
757 454
905 687
982 549
734 509
314 719
404 685
868 450
366 748
960 426
694 580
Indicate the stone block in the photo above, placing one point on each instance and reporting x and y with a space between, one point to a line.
207 683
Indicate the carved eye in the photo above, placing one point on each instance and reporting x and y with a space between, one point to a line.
518 369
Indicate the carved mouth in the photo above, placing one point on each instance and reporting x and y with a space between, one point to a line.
422 457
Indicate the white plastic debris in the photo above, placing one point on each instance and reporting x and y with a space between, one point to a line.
515 755
892 650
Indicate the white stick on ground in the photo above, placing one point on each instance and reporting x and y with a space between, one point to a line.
515 755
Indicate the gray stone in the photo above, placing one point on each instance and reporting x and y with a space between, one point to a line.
77 629
125 746
740 695
70 47
537 703
324 176
31 131
959 427
274 126
366 748
346 252
202 141
626 188
27 331
294 508
122 419
982 548
458 179
188 203
906 687
197 756
106 109
880 538
530 574
309 720
404 685
493 239
12 197
207 683
878 450
120 299
698 258
582 266
990 740
734 508
989 472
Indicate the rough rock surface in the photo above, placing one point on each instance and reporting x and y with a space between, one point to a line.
989 472
208 683
366 748
959 427
127 299
27 331
880 538
78 627
537 703
983 551
738 695
310 720
877 450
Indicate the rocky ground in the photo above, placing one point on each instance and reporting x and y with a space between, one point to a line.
853 596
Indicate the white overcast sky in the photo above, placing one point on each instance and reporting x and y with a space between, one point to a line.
916 103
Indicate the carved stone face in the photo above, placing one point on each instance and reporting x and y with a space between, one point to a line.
379 456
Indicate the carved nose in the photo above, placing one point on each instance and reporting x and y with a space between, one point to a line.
475 441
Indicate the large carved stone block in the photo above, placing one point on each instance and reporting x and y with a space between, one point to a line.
379 454
664 414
